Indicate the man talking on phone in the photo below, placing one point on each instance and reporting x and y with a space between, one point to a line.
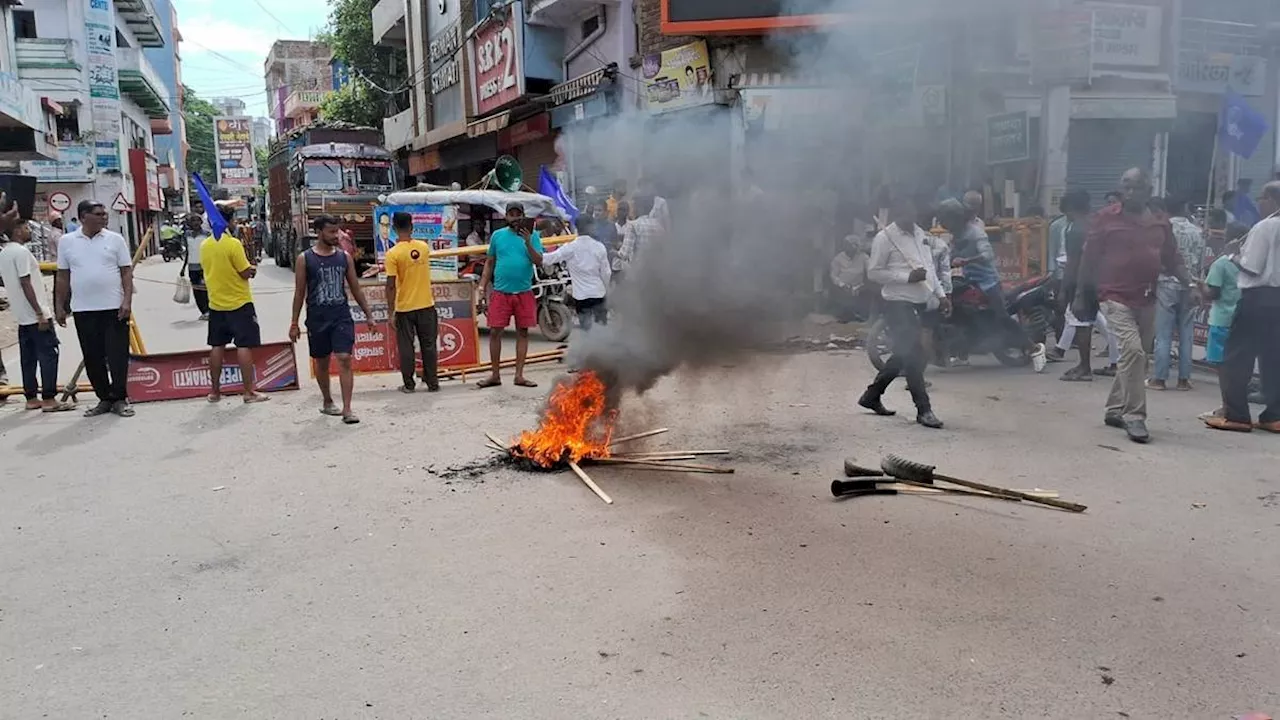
513 252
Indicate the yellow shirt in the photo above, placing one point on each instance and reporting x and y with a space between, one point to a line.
223 260
410 264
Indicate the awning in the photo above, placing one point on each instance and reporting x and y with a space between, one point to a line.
578 87
491 124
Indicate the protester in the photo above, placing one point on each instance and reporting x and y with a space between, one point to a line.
319 275
196 236
513 252
589 273
1124 254
1075 206
661 210
849 276
1223 288
615 204
232 316
412 304
1255 329
8 220
37 340
641 232
902 263
1175 312
95 283
622 217
1112 199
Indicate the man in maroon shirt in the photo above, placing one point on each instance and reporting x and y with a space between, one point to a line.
1126 250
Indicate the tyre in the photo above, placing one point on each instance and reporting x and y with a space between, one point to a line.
555 321
878 348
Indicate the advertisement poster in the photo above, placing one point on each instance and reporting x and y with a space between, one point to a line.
75 164
678 78
437 225
233 140
457 343
179 376
104 87
496 47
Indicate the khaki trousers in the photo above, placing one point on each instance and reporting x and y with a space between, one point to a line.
1134 329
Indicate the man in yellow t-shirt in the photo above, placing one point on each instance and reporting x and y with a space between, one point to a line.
232 318
412 305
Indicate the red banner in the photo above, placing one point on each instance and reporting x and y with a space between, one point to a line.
184 375
457 342
497 60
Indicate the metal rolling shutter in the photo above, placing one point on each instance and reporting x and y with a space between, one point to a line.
1100 151
534 155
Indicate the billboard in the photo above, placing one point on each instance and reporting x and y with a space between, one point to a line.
233 141
496 47
678 78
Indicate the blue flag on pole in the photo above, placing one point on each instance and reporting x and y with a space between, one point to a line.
548 186
1240 127
217 224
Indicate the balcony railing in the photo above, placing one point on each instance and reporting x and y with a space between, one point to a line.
304 102
140 83
48 64
389 23
142 19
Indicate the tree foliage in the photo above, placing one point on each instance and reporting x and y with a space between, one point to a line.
260 155
349 35
354 103
197 115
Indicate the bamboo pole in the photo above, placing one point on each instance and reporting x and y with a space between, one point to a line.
532 359
688 467
484 249
585 478
648 455
638 436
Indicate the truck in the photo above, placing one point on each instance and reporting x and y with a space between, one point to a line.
326 168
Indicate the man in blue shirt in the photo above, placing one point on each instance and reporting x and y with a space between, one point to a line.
513 252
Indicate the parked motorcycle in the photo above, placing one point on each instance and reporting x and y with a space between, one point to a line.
550 289
973 329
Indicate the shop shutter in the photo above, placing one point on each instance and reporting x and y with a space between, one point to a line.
1100 151
533 156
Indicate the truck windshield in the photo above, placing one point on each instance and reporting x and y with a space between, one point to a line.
373 177
324 175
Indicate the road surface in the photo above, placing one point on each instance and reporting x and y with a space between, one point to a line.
230 561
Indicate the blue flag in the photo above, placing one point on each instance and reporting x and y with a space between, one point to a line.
1240 127
548 186
217 224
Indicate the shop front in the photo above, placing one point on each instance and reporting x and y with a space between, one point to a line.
148 203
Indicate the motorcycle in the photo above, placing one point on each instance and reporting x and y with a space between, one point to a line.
550 289
973 329
173 248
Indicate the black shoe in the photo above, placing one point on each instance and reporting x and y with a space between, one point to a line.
102 408
1137 430
122 408
876 406
929 420
433 388
1114 421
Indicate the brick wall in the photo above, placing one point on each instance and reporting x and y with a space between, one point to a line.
649 18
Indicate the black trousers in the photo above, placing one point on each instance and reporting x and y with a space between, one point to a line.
908 357
422 325
104 343
591 311
198 289
1254 338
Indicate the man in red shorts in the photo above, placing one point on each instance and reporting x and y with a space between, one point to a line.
513 252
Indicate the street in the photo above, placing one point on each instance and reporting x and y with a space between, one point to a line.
266 561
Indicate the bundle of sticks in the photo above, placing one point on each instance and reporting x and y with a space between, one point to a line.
538 358
670 460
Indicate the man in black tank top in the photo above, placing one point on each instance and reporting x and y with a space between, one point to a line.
322 277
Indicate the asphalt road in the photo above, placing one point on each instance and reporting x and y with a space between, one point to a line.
230 561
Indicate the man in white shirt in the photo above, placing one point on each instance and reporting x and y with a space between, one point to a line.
95 269
902 263
589 273
661 211
1255 329
37 341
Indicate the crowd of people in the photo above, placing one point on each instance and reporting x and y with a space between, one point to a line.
1136 270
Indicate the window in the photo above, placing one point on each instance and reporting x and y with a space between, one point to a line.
324 175
120 41
68 126
590 25
373 177
24 24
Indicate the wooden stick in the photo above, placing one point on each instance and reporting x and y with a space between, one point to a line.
912 489
590 483
497 442
638 436
927 488
645 455
510 362
670 466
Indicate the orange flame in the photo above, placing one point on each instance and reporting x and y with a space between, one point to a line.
576 424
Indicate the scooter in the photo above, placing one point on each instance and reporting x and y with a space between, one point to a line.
973 329
173 248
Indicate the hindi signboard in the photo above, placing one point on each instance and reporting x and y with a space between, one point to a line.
1126 35
104 85
1062 48
233 140
457 341
1008 138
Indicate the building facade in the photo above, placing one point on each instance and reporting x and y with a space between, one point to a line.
229 106
298 77
261 132
87 57
170 133
28 128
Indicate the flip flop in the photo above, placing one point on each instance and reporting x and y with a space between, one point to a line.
524 382
331 411
34 405
488 383
214 398
350 420
60 407
255 398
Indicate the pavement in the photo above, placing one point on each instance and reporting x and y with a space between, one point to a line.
264 561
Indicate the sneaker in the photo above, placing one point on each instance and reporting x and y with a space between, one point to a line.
1038 358
1114 421
1185 385
1154 384
1137 431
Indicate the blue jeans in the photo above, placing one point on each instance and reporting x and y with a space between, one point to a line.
1173 315
39 351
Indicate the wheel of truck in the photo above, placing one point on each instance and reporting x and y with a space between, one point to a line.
555 321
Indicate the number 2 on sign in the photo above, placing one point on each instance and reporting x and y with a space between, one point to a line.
499 48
